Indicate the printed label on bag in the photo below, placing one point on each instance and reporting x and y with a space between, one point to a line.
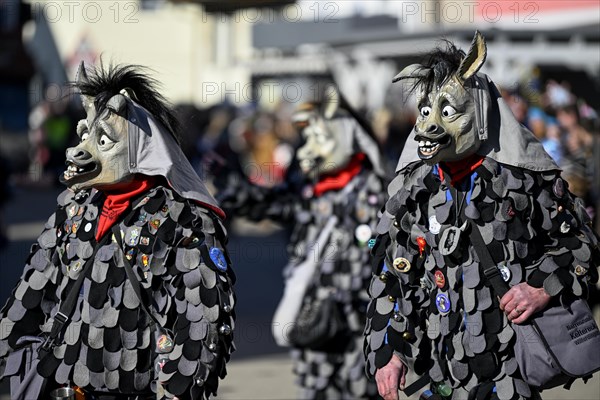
583 330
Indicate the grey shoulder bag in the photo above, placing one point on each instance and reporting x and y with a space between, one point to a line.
556 346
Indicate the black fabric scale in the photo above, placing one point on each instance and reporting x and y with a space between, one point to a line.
547 237
108 344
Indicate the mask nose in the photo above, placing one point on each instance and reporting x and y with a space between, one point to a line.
304 152
78 155
431 129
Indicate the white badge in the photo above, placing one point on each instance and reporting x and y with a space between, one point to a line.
434 225
363 233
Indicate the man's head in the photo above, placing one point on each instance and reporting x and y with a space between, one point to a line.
101 159
446 128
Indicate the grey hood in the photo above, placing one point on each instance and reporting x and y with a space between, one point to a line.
363 143
153 151
503 138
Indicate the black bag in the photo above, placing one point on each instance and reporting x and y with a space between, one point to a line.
321 325
555 346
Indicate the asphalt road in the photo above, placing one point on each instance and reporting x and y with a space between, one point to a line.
259 369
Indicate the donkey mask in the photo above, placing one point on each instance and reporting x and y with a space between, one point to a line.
445 128
331 135
129 129
461 112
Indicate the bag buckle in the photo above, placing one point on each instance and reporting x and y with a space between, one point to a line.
491 272
62 318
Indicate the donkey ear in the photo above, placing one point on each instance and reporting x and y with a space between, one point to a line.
474 58
81 76
331 103
411 72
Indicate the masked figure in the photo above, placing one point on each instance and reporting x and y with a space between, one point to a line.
468 163
139 241
331 199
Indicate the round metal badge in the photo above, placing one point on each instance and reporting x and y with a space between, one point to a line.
440 279
579 270
217 256
442 302
363 233
434 225
164 344
505 272
401 264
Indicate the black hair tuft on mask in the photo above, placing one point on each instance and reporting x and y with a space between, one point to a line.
105 82
439 65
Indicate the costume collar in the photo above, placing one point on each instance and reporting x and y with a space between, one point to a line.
341 178
116 202
458 170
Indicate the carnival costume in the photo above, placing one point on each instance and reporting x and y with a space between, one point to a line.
127 177
469 164
332 205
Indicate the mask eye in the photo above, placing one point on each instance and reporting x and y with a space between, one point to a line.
105 140
82 130
448 111
425 111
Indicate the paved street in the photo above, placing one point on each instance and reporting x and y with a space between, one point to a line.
259 369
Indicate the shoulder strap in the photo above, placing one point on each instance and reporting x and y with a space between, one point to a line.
486 263
67 306
135 282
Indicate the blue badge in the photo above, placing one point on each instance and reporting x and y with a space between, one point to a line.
217 256
442 303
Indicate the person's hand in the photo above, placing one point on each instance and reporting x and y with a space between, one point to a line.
522 301
390 377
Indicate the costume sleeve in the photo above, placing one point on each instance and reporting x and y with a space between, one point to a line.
34 296
570 246
242 198
396 313
199 281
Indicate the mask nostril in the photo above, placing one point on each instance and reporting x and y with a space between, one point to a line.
78 154
432 128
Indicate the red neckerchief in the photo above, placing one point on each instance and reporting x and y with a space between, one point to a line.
117 202
340 179
458 170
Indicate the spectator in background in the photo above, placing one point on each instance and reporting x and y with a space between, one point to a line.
577 146
51 124
551 140
517 105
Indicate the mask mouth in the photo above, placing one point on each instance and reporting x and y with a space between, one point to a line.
78 172
308 165
428 147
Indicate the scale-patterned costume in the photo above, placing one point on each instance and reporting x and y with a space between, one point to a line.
109 343
530 222
174 240
430 303
342 263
